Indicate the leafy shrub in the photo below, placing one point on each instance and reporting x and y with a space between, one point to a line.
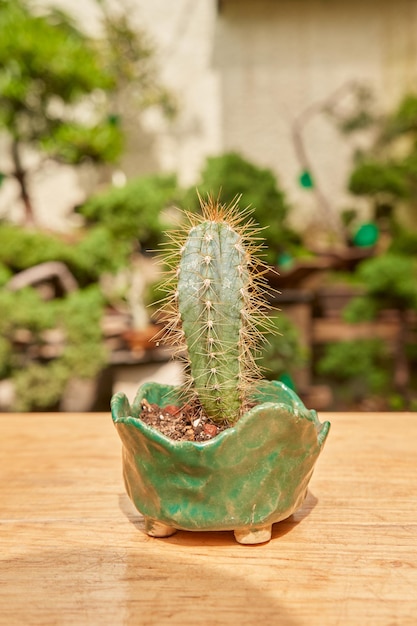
134 212
371 178
404 241
390 281
22 248
5 274
402 120
281 353
40 382
229 176
361 361
94 251
39 386
99 251
386 170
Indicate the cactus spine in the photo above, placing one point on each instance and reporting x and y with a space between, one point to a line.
217 303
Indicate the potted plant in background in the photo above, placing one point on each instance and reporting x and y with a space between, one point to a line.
238 451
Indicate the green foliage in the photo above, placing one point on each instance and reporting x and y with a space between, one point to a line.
132 215
361 309
230 175
349 216
80 316
281 352
95 252
66 94
385 162
5 356
74 143
386 171
21 248
135 211
5 273
363 362
361 120
371 177
402 120
404 241
390 281
99 251
39 382
25 309
360 115
39 386
47 65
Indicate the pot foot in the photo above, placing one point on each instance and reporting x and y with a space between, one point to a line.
158 529
253 535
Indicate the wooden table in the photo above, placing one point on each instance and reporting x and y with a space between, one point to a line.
73 549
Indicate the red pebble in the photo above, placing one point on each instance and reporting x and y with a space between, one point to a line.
171 409
210 429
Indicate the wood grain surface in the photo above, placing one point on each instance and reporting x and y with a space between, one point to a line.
73 550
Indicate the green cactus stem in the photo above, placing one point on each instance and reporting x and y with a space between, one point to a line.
217 302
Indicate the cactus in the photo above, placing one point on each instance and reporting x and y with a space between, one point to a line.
216 306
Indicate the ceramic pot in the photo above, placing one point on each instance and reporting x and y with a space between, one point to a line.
245 479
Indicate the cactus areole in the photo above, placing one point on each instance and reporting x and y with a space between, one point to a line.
217 303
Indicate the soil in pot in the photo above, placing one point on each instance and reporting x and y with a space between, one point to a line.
188 422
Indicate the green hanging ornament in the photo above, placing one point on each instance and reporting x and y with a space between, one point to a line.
306 180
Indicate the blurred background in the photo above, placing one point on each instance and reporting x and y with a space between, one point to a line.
112 114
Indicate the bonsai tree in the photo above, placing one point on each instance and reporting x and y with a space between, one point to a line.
134 217
134 213
44 345
385 157
390 281
49 67
371 367
64 97
245 447
383 172
52 74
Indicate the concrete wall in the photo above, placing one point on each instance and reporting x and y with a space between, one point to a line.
183 33
278 57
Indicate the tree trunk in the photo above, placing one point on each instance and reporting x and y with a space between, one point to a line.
401 364
21 176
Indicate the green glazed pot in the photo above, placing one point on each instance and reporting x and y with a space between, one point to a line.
244 479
